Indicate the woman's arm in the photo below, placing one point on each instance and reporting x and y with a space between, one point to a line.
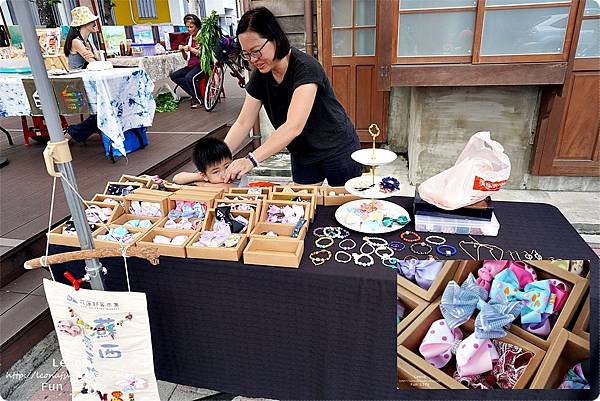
243 124
297 115
83 51
186 178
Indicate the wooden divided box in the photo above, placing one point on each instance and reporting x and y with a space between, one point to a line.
125 218
161 201
437 288
578 287
103 198
582 324
281 204
203 197
566 351
250 190
145 181
102 243
255 204
283 231
220 253
306 193
301 198
167 249
339 197
412 337
277 252
413 306
135 185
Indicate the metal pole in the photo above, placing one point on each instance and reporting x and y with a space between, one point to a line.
50 110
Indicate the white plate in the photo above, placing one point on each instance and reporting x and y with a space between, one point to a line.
372 193
388 209
382 156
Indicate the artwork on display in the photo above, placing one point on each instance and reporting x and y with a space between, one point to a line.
49 39
113 37
163 34
64 31
143 34
105 342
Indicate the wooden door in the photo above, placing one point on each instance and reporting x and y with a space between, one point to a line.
348 48
568 141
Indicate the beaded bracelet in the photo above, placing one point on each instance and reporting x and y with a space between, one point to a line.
357 257
316 232
337 259
421 244
338 232
363 252
435 240
415 237
327 245
373 241
393 261
347 248
386 255
397 245
317 260
446 250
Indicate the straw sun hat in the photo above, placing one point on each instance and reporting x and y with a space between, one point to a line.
81 16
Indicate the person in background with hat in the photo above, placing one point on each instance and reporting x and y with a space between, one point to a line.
80 52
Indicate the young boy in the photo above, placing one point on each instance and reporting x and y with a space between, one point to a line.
211 157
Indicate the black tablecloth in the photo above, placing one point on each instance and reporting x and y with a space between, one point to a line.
307 333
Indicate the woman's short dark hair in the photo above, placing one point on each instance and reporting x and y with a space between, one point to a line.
263 22
193 18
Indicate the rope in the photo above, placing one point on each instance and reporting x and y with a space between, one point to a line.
44 259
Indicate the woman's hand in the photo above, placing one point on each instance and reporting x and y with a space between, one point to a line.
237 169
186 48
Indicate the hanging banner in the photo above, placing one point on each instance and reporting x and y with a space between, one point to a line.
105 343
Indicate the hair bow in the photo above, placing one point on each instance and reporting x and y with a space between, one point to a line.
458 303
400 310
490 269
223 213
542 328
524 273
424 272
473 355
400 220
536 296
575 378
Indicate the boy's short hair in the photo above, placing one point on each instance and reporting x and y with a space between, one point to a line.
209 151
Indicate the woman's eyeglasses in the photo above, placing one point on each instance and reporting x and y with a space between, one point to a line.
255 54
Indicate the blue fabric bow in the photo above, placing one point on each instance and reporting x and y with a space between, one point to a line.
458 304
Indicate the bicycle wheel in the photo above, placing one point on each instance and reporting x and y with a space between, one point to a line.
213 89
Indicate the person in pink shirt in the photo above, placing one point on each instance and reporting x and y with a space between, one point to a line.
184 77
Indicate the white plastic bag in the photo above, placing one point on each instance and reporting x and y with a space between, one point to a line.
481 168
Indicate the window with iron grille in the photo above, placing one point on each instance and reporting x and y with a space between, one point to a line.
146 8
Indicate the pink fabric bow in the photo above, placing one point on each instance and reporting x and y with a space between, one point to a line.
488 271
525 273
473 355
561 290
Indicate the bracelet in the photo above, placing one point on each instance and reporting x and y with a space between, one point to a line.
337 259
397 245
318 260
363 252
316 232
385 255
358 256
421 244
252 159
393 261
373 241
327 245
415 237
338 232
446 250
435 240
298 227
347 248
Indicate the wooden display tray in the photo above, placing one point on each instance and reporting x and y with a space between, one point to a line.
342 196
277 252
152 192
567 350
99 243
284 231
445 275
258 197
281 204
124 218
244 190
220 253
411 378
162 221
200 193
578 287
103 197
138 185
177 251
163 201
146 181
412 337
205 197
413 304
547 265
307 198
582 324
257 203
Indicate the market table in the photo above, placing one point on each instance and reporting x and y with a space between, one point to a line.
121 98
158 67
325 332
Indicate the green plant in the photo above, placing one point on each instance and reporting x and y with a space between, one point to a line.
165 103
207 39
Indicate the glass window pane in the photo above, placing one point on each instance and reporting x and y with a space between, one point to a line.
589 39
364 42
412 4
592 7
436 34
342 42
524 31
364 12
341 13
515 2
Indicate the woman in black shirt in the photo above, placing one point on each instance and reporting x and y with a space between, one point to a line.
300 103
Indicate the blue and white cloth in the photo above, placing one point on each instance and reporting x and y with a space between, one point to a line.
121 98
